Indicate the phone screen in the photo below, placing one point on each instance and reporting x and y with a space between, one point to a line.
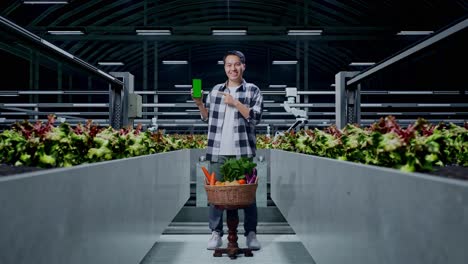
196 87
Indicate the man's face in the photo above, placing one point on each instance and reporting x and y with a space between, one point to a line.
234 68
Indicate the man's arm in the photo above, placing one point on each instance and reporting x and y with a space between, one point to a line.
229 100
252 114
256 108
244 110
203 111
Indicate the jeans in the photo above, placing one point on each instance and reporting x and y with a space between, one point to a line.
216 215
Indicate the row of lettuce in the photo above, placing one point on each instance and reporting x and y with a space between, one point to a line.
418 147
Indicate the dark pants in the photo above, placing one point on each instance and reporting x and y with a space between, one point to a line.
216 215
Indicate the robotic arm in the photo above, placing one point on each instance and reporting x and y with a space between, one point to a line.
296 112
301 115
154 127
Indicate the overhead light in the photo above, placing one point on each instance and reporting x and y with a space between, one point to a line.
229 32
153 32
284 62
391 113
183 86
268 101
158 105
145 92
174 62
20 105
65 32
361 63
41 92
332 85
371 105
427 105
415 32
13 113
410 92
192 110
277 86
51 2
111 63
68 113
89 105
443 113
304 32
8 95
221 62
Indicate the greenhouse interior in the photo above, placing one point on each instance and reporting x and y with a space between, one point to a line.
159 131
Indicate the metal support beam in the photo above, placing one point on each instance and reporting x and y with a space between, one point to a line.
36 79
118 100
145 70
353 105
306 74
70 87
156 76
208 38
145 12
59 81
408 52
31 75
90 88
344 98
268 65
298 68
48 49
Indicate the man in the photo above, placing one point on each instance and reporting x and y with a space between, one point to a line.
232 110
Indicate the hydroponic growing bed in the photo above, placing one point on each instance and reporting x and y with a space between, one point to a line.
456 172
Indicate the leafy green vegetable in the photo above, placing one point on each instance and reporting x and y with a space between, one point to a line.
418 147
236 169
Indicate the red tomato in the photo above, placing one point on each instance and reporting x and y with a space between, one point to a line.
241 181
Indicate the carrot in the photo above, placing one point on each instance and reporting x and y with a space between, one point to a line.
213 179
207 174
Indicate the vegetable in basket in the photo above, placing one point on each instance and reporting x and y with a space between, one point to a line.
239 169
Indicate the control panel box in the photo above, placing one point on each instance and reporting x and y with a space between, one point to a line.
134 105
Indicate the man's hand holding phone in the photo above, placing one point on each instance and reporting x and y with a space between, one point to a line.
197 100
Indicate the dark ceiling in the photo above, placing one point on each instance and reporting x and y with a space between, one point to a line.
353 30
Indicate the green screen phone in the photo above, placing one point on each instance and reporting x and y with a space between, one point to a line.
196 87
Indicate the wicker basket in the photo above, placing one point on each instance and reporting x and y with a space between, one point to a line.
231 195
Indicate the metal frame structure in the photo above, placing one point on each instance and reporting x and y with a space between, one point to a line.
118 100
52 50
348 84
347 100
104 38
410 51
116 86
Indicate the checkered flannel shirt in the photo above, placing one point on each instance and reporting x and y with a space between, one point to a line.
244 135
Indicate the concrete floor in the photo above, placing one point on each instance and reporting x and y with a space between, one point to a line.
191 249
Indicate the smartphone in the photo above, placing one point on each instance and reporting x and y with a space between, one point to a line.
196 88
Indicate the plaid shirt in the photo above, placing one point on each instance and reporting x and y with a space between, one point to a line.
244 135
